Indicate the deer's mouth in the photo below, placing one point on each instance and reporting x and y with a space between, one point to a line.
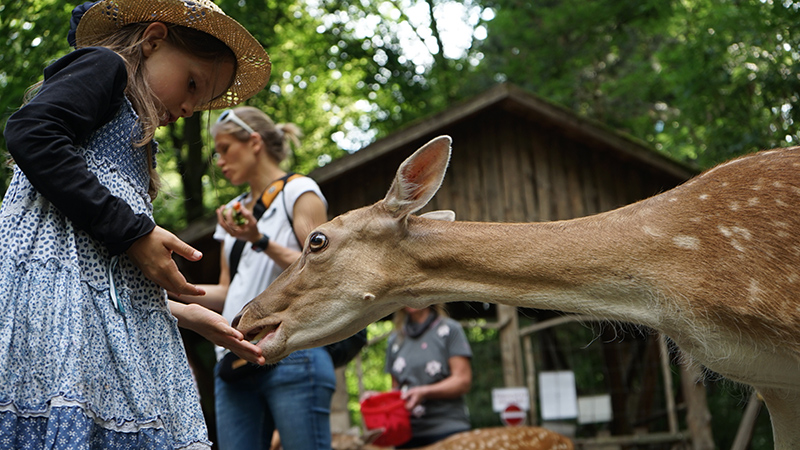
261 332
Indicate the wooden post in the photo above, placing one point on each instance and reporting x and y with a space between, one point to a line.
745 432
510 348
669 395
698 417
340 415
530 380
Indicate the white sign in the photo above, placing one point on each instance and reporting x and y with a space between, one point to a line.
502 397
558 396
594 409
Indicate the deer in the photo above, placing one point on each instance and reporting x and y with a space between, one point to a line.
714 264
491 438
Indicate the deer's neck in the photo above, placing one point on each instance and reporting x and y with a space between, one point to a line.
590 265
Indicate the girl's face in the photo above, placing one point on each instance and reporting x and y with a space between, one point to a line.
179 80
237 159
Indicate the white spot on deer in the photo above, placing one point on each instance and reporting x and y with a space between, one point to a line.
778 184
753 201
792 278
703 197
687 242
734 206
780 224
754 292
743 232
780 202
651 231
733 233
673 199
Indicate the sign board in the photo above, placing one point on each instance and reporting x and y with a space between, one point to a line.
502 397
513 415
594 409
558 396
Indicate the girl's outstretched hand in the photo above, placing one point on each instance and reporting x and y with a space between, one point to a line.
152 253
216 329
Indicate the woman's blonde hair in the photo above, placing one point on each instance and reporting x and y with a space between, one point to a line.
276 137
127 43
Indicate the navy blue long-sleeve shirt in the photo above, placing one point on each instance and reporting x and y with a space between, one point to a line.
81 92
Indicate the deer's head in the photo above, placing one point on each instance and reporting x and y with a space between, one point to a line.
352 271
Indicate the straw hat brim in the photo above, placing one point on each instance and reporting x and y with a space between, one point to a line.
253 65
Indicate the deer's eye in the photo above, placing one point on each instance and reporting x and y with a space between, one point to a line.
317 242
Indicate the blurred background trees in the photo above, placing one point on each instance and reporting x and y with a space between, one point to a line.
701 80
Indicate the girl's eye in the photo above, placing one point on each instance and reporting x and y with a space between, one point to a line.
192 84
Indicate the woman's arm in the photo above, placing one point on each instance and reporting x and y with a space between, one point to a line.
454 386
309 213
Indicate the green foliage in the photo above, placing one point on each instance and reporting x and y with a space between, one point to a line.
703 80
32 33
373 375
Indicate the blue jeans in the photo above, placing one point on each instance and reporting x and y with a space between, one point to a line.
294 397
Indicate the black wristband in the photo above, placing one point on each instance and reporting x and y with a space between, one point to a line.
261 244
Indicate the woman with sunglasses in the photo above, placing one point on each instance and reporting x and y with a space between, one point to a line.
293 396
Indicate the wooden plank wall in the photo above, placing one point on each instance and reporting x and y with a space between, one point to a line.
504 168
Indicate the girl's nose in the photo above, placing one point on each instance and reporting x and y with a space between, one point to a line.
187 109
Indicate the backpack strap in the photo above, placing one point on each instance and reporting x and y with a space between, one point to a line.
261 206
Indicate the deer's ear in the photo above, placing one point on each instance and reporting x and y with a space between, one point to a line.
418 178
444 215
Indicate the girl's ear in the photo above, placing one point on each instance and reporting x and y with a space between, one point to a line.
153 37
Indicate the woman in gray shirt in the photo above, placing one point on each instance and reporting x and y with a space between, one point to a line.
428 357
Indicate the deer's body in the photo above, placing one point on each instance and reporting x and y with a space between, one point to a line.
714 264
496 438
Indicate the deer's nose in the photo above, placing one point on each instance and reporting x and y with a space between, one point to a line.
235 321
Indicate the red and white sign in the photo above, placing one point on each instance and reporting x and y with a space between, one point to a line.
513 415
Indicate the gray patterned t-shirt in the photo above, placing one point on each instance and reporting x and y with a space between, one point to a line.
424 360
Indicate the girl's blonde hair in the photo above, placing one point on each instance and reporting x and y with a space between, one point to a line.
276 137
127 43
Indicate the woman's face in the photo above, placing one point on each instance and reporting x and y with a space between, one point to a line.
236 158
179 80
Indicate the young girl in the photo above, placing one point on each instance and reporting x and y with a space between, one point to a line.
90 355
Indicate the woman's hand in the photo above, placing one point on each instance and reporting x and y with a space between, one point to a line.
247 231
152 253
216 329
414 396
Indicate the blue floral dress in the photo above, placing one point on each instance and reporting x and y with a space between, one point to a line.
90 356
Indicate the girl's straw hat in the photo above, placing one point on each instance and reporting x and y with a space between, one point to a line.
252 66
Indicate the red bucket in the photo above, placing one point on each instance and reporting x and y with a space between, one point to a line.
387 411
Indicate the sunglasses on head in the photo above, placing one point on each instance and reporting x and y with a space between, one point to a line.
229 116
